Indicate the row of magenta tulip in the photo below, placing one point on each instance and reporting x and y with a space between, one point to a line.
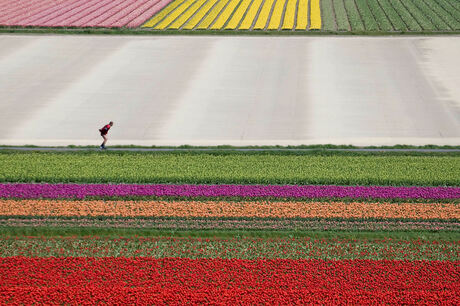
81 191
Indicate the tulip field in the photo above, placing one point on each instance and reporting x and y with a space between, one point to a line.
226 227
357 16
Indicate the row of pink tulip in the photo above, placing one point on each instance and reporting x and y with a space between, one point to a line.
79 13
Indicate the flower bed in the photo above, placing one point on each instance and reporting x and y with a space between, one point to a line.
176 281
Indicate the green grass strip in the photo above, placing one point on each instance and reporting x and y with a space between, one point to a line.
130 232
205 168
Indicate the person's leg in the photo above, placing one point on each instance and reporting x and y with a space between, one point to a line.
105 140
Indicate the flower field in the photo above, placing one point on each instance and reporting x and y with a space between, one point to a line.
75 13
153 281
239 15
306 15
168 228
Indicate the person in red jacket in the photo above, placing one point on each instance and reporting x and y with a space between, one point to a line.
104 132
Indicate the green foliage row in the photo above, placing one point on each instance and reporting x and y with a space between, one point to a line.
353 16
368 18
7 232
423 19
380 16
341 16
328 20
247 248
392 15
348 169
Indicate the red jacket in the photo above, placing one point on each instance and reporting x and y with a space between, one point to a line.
105 129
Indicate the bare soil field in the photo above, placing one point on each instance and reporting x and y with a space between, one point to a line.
59 90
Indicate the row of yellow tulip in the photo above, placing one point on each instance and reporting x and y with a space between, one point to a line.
238 15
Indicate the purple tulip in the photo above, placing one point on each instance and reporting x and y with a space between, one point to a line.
81 191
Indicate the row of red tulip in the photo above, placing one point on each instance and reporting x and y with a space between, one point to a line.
172 280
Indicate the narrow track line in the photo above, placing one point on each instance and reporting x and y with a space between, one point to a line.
194 14
449 12
121 14
33 18
386 15
105 18
108 6
288 22
359 14
251 15
145 10
219 12
373 16
256 17
417 4
227 20
179 10
173 5
264 15
20 15
315 9
302 15
56 13
235 21
295 15
206 15
22 9
244 14
283 14
276 21
400 17
348 15
309 15
80 9
270 14
412 15
321 12
100 5
335 15
423 15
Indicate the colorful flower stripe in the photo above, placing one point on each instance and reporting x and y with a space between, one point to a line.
81 191
231 224
219 209
239 15
235 281
315 18
242 248
78 13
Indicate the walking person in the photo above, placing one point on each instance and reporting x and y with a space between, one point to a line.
104 132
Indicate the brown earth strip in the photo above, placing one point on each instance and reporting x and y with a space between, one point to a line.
224 209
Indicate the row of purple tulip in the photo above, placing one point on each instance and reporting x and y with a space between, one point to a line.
81 191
